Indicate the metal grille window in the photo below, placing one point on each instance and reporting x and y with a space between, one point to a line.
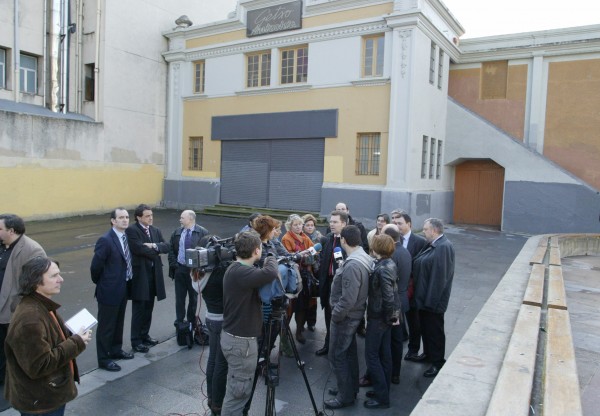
90 83
2 68
294 65
199 77
368 154
432 153
440 68
195 153
438 170
424 159
28 74
373 52
259 70
432 64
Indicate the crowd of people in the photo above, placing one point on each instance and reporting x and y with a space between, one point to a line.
400 280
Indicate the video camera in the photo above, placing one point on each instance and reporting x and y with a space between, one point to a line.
218 252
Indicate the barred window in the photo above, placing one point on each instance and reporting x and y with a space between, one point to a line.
432 153
373 52
432 64
368 154
438 170
424 158
199 77
440 68
294 65
2 68
259 70
195 153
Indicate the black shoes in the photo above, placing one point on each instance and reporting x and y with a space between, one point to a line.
332 391
111 366
364 382
150 342
432 372
415 357
374 404
141 348
123 356
311 328
370 394
336 404
322 351
395 379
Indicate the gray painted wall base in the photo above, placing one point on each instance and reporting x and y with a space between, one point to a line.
190 194
420 205
537 208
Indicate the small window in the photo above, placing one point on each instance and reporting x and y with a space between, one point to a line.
2 68
440 68
424 158
438 170
368 154
199 77
259 70
294 65
90 77
432 64
432 153
28 74
195 154
373 52
494 77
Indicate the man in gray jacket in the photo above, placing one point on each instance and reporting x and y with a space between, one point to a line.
348 299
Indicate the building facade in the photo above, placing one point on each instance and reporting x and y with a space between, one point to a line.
83 103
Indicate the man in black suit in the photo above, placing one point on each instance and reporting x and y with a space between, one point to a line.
328 266
188 236
414 244
111 269
146 244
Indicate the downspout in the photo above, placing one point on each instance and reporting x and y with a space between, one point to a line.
78 65
16 54
97 63
54 58
45 65
65 35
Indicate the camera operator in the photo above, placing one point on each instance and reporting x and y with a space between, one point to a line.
242 318
267 226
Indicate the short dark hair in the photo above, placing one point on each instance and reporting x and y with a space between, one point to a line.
351 234
245 244
139 210
343 215
15 222
113 214
383 245
393 232
32 274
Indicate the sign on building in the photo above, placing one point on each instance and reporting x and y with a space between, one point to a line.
279 18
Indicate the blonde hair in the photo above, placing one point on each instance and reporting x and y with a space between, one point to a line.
291 220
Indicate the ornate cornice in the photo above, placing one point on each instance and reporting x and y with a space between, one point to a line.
252 45
370 82
404 45
275 90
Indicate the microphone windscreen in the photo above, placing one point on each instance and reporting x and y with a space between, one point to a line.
337 250
318 247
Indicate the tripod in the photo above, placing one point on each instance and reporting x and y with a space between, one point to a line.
277 322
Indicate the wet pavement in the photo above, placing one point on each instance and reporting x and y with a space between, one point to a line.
169 379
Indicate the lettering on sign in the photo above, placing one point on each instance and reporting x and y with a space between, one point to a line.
273 19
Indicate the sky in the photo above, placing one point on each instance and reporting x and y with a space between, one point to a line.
483 17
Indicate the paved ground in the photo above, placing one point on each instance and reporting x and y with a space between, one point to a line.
169 380
582 283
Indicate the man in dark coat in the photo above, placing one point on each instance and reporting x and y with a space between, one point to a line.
433 269
328 267
414 244
364 242
111 269
146 244
188 236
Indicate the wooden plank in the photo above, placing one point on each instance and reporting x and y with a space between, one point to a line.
557 298
512 393
554 256
539 254
561 385
534 293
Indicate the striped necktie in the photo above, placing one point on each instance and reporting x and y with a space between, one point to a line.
129 274
147 230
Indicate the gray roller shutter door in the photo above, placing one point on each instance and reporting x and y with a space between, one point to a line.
285 174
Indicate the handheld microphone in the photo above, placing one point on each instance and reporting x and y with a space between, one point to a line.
337 255
315 249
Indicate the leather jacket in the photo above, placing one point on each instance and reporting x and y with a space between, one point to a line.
381 290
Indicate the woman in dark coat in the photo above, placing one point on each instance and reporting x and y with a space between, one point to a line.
40 351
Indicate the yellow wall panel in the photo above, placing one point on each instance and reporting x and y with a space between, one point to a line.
360 110
572 130
348 15
70 190
216 39
333 168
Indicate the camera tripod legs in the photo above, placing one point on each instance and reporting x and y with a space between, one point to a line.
272 378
